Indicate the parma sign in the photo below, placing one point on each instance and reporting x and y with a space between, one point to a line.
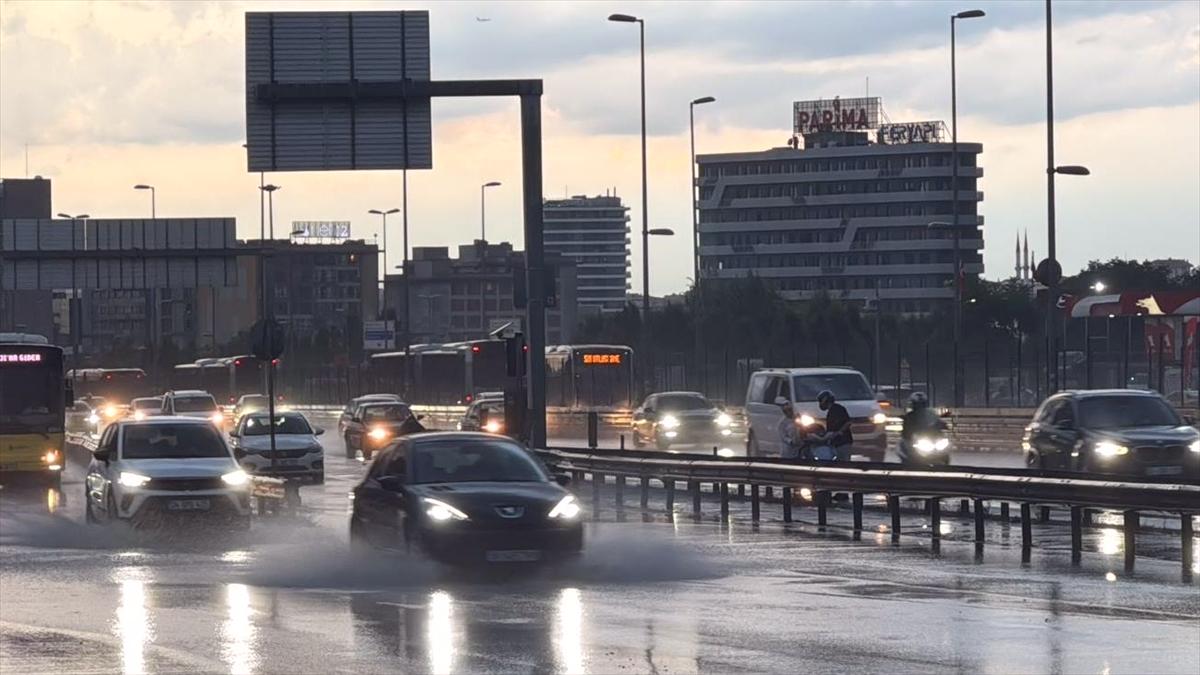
836 114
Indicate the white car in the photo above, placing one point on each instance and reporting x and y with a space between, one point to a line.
192 403
801 386
298 453
149 470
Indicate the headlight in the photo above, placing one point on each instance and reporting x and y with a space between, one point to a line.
806 420
879 418
927 445
725 452
941 444
492 427
669 422
236 478
139 415
566 508
93 419
378 433
724 420
132 480
51 457
441 511
1195 446
1110 449
217 418
110 411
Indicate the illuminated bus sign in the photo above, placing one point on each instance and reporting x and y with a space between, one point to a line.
21 358
601 359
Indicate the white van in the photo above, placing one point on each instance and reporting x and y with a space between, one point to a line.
801 386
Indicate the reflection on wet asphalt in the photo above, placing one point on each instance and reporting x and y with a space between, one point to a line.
652 594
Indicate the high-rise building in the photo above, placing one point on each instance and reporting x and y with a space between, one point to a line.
860 209
594 232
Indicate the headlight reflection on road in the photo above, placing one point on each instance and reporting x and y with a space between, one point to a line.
237 632
441 633
1112 541
133 626
569 640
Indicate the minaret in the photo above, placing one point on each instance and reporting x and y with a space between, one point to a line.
1028 261
1017 273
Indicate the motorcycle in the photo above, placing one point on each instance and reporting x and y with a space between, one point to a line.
927 448
813 445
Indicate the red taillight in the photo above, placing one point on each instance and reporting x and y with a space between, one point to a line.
274 362
108 377
237 362
232 400
468 398
525 348
475 348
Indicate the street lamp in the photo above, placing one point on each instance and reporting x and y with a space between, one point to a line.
695 201
1099 287
483 207
626 18
1072 170
270 190
384 215
958 375
153 207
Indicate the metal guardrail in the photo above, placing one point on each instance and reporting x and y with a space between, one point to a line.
1024 487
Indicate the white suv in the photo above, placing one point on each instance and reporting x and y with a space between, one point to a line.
149 470
801 386
192 403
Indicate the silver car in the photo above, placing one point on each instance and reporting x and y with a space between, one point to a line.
298 453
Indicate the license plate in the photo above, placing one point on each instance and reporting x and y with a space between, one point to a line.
287 462
514 556
188 505
1163 470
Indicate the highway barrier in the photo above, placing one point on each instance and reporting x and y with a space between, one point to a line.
1131 496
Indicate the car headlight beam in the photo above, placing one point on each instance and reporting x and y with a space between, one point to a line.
566 508
378 434
879 418
806 420
724 420
669 422
1109 449
440 511
236 478
1195 446
132 480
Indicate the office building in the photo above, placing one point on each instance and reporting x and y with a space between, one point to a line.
852 207
594 233
25 198
466 298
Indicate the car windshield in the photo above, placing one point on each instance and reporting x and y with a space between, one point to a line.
459 461
195 404
682 402
845 387
385 413
1122 412
258 425
171 441
147 403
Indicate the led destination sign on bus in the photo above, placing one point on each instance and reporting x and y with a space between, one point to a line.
601 359
21 358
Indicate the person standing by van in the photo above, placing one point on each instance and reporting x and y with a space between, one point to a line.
837 425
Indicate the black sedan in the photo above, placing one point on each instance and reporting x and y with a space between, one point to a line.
465 498
683 418
1116 431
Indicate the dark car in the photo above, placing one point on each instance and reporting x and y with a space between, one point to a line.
1112 431
375 424
484 415
352 407
466 497
682 418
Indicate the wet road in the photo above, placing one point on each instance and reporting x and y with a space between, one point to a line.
652 594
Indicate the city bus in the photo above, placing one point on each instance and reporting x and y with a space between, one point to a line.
33 397
115 385
590 377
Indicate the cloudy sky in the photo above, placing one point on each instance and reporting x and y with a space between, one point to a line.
109 94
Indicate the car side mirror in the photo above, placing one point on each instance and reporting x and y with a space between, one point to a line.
239 453
420 417
391 483
102 455
563 479
234 434
319 431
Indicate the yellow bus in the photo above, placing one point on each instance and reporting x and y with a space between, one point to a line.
33 399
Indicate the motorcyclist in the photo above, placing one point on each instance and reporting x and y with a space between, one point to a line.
919 419
789 433
837 424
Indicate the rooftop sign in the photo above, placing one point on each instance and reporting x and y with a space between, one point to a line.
837 114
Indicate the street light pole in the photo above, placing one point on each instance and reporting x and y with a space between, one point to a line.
959 277
695 200
483 208
625 18
270 190
76 315
384 214
153 206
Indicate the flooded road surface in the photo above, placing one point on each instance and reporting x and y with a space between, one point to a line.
651 594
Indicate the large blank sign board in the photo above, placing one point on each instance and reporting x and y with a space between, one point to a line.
344 50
